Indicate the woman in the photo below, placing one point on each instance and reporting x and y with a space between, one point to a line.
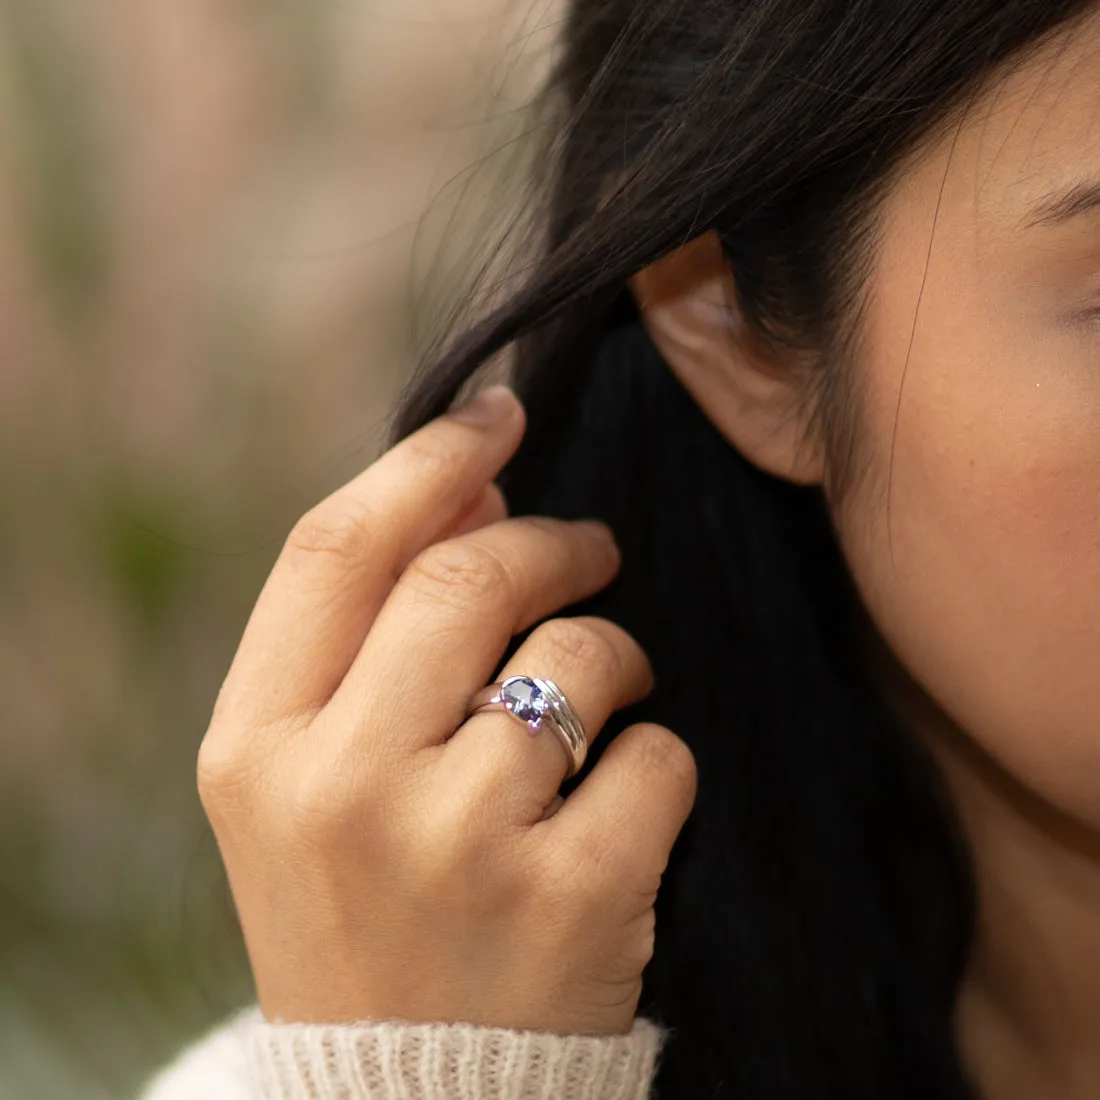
816 331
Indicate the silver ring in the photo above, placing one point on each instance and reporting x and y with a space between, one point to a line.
536 703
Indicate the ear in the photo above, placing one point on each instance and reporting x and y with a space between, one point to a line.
689 304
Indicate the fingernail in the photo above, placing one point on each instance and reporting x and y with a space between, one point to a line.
491 404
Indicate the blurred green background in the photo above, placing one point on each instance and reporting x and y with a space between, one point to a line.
225 228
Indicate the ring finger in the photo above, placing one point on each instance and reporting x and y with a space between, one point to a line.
448 620
492 759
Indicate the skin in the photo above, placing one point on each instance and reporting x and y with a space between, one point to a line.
974 539
389 860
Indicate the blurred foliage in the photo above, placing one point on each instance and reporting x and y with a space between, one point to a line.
138 552
214 220
64 218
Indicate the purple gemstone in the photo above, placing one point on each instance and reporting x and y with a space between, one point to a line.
524 699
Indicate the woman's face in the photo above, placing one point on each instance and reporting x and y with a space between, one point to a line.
975 541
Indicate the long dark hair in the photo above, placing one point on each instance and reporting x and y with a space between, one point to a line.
814 922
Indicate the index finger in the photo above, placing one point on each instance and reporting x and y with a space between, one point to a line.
342 558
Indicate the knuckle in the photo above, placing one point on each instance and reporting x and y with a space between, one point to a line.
612 631
321 810
579 643
438 863
431 454
458 571
333 529
222 779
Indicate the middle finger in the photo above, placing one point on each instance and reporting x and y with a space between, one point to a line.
447 621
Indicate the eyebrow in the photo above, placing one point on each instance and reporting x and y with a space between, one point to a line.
1060 206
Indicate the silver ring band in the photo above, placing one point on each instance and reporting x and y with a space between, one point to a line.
533 701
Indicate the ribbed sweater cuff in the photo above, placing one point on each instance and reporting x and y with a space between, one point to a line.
398 1060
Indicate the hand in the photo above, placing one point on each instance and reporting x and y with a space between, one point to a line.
390 859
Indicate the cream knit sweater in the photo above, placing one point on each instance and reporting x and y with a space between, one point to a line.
247 1058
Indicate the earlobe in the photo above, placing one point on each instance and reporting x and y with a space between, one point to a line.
688 302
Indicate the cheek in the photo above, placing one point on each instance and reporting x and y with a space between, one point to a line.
983 574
